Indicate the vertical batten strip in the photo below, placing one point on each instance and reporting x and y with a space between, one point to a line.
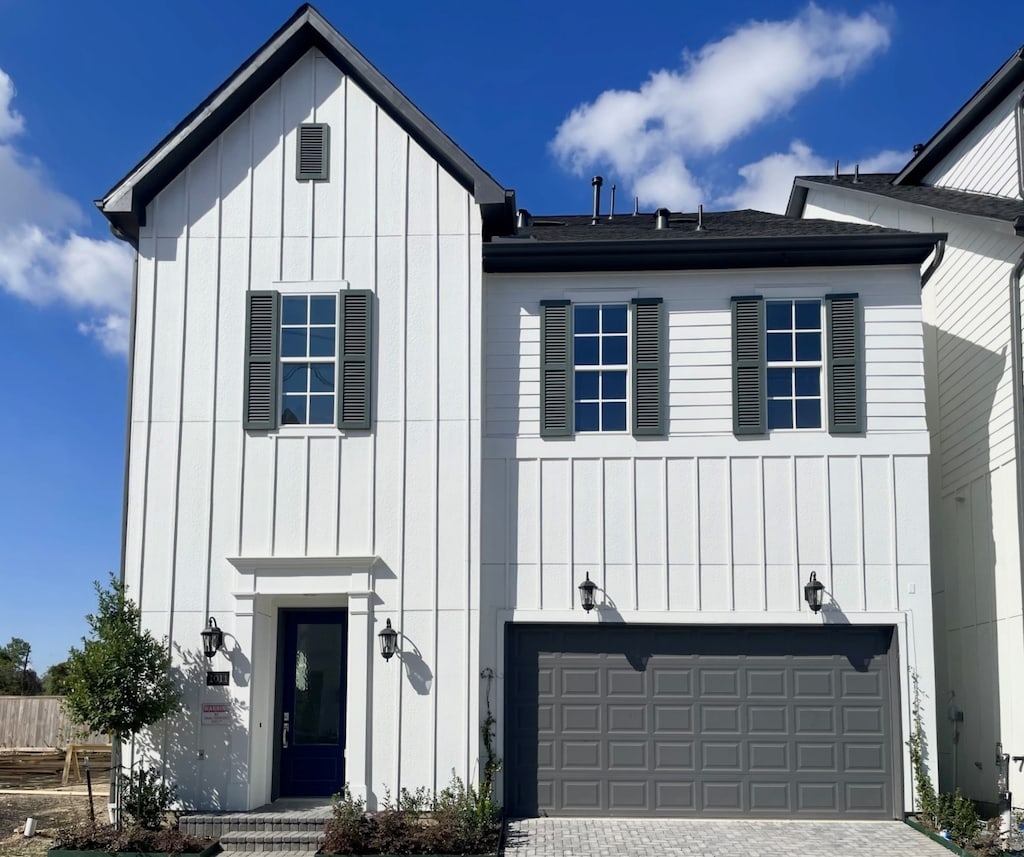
403 350
860 529
698 562
798 582
664 533
471 720
437 455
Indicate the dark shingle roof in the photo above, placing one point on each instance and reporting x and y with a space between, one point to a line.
954 201
747 223
728 240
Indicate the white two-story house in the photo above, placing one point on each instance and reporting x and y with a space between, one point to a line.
368 398
966 181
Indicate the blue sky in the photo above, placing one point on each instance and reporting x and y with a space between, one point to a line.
679 102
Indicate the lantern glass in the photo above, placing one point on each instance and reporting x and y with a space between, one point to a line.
813 592
588 589
388 641
213 637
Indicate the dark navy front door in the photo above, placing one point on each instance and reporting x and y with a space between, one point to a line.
313 703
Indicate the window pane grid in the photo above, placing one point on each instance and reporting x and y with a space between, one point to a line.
308 341
794 364
600 359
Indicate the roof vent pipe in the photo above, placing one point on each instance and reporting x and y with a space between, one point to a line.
636 205
661 218
918 148
856 173
611 211
835 175
597 181
700 218
522 219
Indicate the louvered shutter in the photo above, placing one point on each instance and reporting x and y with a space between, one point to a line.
648 367
845 365
355 359
261 334
556 369
311 157
748 385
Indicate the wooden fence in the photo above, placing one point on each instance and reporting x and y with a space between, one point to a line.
38 721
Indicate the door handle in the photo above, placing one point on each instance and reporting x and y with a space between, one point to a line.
284 733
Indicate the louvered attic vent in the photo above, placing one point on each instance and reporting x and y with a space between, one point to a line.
311 161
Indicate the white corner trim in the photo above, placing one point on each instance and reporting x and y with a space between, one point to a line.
307 564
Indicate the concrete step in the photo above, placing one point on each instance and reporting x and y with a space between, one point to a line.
271 840
217 824
267 853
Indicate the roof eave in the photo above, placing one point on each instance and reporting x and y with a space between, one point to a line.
125 203
708 253
1009 227
994 90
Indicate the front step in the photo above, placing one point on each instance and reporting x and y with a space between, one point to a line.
273 831
217 825
306 841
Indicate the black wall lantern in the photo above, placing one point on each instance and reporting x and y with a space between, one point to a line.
213 638
388 641
587 590
813 590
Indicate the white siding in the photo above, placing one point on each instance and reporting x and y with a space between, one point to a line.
202 491
986 160
699 340
973 499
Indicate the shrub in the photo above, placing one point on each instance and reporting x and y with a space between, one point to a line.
958 815
459 820
106 837
146 798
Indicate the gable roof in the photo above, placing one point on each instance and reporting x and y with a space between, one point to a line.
124 205
1007 215
994 90
727 240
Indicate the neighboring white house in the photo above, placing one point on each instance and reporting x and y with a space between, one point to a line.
364 396
967 182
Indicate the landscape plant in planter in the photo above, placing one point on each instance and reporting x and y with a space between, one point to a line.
459 820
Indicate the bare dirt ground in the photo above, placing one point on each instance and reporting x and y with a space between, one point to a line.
51 808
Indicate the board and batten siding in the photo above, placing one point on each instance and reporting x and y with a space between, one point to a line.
986 160
201 490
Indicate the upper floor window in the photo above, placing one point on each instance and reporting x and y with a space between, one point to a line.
793 350
307 359
603 367
600 362
309 333
798 364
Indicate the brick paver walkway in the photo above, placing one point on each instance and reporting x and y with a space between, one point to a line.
594 837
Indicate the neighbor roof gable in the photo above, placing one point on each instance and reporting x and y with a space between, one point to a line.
125 204
965 120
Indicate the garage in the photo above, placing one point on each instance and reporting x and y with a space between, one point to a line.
777 722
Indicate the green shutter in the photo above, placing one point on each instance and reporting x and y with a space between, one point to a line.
845 365
555 369
748 373
261 333
311 152
648 367
354 359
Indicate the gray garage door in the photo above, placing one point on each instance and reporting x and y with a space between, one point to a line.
644 720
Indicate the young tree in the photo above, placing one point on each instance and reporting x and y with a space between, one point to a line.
120 680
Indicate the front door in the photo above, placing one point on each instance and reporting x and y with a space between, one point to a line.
312 714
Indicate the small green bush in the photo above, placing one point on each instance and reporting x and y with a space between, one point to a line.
958 815
459 820
146 798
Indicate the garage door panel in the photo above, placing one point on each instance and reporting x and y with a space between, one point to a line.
637 720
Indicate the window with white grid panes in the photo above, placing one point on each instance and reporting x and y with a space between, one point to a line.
309 337
793 355
600 361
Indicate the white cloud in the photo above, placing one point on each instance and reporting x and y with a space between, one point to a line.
722 91
43 259
767 183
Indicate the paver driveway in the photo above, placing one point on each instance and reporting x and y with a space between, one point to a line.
601 837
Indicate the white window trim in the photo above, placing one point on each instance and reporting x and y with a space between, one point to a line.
793 295
602 367
296 290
